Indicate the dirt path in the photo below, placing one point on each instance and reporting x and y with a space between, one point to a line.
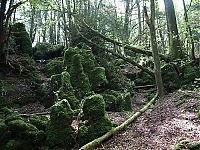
160 127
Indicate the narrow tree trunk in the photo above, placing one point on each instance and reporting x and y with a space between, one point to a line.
126 22
31 32
44 27
157 70
2 31
188 29
139 22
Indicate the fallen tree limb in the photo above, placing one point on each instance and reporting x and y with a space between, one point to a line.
92 44
123 126
134 49
144 86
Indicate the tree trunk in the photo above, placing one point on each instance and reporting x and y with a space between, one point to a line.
174 41
126 22
32 28
188 29
139 22
157 70
2 31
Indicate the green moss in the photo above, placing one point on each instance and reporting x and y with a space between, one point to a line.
190 72
67 92
3 126
12 145
79 79
39 121
47 51
170 77
19 126
93 130
98 77
116 80
54 67
143 79
94 107
110 102
55 82
22 39
59 131
117 100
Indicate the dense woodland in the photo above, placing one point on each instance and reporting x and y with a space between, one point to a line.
67 67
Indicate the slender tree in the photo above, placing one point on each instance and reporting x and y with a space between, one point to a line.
157 71
189 31
174 41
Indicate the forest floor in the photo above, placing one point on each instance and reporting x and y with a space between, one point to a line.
161 127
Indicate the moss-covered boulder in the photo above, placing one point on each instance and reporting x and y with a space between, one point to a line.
22 39
88 59
116 79
91 131
117 101
66 90
98 77
170 78
94 107
40 122
143 79
55 82
54 66
47 51
190 72
79 79
3 126
59 131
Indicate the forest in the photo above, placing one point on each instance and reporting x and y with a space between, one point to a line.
99 74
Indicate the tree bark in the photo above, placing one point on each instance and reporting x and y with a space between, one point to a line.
174 41
157 70
188 29
2 31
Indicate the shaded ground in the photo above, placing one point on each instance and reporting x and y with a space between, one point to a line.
160 127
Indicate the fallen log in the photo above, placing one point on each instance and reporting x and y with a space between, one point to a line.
133 49
121 127
92 44
144 86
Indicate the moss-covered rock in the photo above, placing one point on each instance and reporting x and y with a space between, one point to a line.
116 80
143 79
66 90
22 39
55 82
40 122
110 102
3 126
54 66
94 107
98 77
117 100
190 72
12 145
91 131
47 51
170 78
79 79
59 131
